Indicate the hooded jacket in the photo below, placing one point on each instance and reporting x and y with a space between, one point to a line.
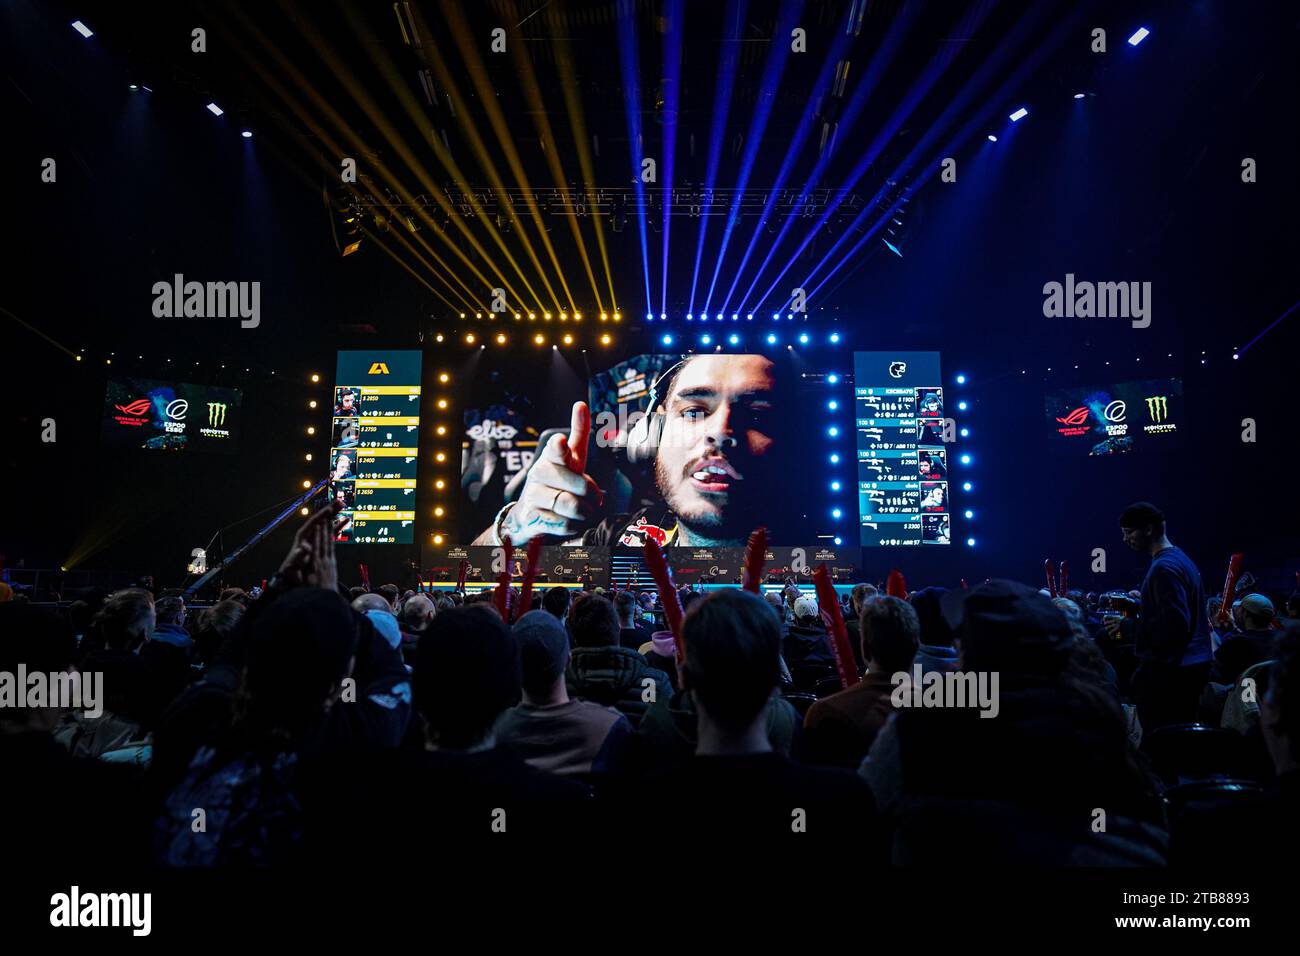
615 677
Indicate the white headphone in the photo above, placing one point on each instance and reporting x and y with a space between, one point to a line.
643 440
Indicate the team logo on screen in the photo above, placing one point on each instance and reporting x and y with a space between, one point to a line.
897 369
378 368
1158 407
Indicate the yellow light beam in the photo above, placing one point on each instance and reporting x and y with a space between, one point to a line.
542 122
578 124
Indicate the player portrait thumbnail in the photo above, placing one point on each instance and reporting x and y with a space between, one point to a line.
343 526
934 496
935 529
342 465
932 464
346 400
344 493
347 434
929 403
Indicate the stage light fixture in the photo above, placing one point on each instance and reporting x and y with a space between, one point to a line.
538 339
835 486
501 339
836 513
961 379
734 339
966 486
215 110
81 28
689 317
604 316
462 315
564 316
605 340
965 459
663 315
442 403
789 315
133 87
961 406
547 316
649 317
311 429
531 316
617 316
469 338
970 542
568 340
444 378
440 484
1018 115
833 432
1141 34
667 340
577 317
706 340
247 134
518 316
749 317
440 457
1079 96
306 483
832 379
735 317
437 539
308 456
304 512
776 316
969 514
835 338
965 433
441 430
438 337
832 405
803 338
992 138
312 403
719 316
554 347
771 339
315 377
835 459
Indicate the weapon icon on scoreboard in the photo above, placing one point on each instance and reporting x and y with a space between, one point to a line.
408 491
411 428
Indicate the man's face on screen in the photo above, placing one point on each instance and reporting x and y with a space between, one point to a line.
717 441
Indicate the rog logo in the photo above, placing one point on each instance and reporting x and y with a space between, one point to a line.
1076 417
139 407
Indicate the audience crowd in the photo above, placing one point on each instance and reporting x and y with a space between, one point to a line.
272 727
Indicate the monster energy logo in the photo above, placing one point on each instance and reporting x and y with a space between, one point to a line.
1158 408
217 413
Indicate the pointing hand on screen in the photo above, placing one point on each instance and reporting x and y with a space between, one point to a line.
559 497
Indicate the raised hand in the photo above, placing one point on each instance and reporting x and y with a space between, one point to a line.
558 497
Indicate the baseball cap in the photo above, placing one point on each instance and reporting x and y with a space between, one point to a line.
1007 626
543 648
1257 606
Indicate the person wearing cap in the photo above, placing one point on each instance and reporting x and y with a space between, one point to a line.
1021 786
1172 635
547 729
805 640
1251 643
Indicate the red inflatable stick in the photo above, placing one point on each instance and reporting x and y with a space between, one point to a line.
755 557
530 573
829 604
1229 589
365 576
658 567
502 597
896 585
1051 582
461 575
1063 582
